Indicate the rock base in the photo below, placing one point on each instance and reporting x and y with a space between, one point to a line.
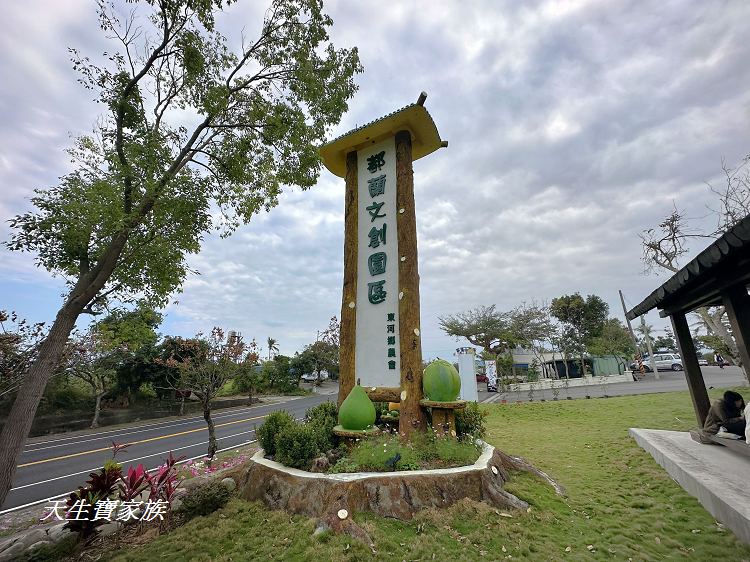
392 494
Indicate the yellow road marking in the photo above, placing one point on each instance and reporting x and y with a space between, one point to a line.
52 459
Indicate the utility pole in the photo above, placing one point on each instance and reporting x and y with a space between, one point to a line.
630 328
638 356
647 337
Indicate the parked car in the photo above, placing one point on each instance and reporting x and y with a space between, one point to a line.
664 362
702 362
312 377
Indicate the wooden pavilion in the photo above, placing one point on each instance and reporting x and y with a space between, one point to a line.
718 276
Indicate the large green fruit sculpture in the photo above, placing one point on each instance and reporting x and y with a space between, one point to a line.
357 412
441 382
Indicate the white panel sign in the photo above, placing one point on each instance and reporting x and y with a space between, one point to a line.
377 355
467 372
490 370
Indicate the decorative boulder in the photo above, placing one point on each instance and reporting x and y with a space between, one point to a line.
441 382
357 412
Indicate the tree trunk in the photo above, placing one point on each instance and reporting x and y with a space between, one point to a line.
715 326
583 366
211 431
412 417
565 362
182 404
348 329
21 416
97 409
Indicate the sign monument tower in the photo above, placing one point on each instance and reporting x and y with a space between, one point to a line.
380 320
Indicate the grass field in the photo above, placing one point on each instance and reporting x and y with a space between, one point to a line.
620 504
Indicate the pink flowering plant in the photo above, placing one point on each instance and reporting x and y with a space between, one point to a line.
205 466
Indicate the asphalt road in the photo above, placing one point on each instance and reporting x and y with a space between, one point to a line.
669 381
57 464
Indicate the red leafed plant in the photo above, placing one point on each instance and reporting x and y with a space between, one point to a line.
165 482
101 486
134 483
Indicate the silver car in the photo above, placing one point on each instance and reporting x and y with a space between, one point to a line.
668 361
664 362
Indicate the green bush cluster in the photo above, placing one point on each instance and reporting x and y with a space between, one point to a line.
271 428
323 418
205 499
295 444
470 421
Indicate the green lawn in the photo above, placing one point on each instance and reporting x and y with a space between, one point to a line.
620 504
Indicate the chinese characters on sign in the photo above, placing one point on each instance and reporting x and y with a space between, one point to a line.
377 357
107 510
390 328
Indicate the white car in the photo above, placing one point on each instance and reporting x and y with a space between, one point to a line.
668 361
702 362
664 362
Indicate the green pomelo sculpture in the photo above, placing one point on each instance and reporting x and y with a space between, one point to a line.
441 382
357 412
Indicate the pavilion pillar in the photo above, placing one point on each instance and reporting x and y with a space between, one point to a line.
737 304
693 373
349 294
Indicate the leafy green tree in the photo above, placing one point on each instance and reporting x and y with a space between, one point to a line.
614 340
483 326
96 357
93 361
251 378
129 329
210 362
281 373
323 354
582 319
190 126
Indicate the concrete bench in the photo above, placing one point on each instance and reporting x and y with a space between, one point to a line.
737 445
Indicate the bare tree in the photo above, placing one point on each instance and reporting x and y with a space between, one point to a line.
19 345
734 196
665 245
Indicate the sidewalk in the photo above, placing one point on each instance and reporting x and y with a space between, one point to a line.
669 381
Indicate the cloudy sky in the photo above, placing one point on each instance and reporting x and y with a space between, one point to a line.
572 127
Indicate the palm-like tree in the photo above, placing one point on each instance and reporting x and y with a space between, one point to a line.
273 347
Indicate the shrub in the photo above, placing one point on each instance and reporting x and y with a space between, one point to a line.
297 445
323 418
381 409
345 465
268 431
205 499
470 421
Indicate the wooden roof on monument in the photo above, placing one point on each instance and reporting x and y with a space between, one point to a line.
413 118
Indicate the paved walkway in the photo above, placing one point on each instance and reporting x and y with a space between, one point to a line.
669 381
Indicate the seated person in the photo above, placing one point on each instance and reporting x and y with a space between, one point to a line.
728 412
